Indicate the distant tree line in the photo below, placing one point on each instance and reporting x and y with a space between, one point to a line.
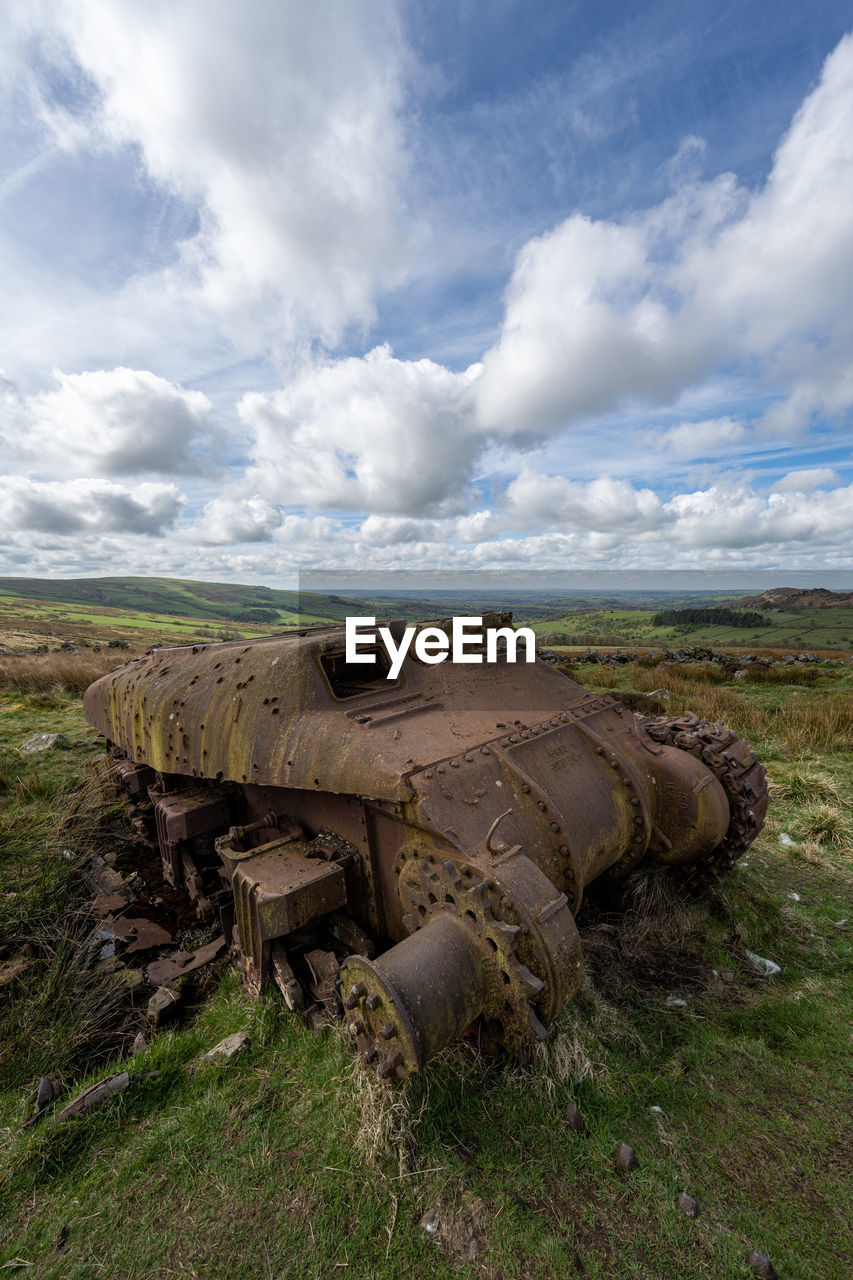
709 618
256 615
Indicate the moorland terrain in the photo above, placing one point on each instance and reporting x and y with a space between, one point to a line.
291 1161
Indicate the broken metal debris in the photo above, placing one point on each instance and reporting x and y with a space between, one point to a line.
140 933
180 962
323 811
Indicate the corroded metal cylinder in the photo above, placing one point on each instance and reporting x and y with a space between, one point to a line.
416 998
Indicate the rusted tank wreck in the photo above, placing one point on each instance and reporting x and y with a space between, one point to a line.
442 826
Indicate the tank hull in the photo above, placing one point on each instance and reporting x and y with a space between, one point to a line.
470 807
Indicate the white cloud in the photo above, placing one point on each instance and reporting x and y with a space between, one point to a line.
384 531
807 479
601 314
738 517
377 434
605 504
69 507
280 122
117 422
226 520
707 439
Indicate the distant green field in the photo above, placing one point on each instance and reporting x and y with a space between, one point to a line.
806 629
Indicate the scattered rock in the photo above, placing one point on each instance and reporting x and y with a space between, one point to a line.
663 694
761 1266
788 841
626 1158
94 1096
45 742
727 975
760 964
795 897
687 1205
133 979
227 1048
574 1119
164 1004
656 1111
429 1223
103 881
140 1044
675 1002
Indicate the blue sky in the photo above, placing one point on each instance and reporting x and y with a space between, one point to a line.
366 284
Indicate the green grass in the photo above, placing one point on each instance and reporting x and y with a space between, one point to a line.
803 629
290 1162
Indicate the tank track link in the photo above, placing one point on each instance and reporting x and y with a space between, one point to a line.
735 766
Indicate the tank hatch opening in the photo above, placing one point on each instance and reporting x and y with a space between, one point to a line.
348 679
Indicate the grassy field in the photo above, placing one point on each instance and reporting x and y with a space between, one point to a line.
804 629
290 1161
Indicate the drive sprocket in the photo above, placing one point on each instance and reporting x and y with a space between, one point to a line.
734 765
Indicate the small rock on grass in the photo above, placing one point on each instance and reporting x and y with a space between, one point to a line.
687 1205
163 1005
45 742
94 1096
140 1044
227 1048
574 1119
626 1158
761 1265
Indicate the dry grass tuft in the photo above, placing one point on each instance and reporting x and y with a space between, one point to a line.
805 783
385 1116
816 722
51 673
827 825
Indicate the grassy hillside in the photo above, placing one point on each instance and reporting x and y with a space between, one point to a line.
804 629
292 1162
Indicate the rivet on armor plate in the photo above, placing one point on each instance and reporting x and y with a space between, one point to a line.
374 1001
388 1031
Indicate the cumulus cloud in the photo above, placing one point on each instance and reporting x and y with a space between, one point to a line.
67 507
708 438
377 434
807 479
600 314
117 422
279 122
605 504
737 517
